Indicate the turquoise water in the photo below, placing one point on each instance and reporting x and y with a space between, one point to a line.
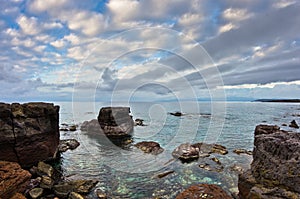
132 174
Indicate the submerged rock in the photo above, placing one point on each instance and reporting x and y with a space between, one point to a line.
13 179
149 147
203 191
29 132
164 174
274 170
242 151
116 121
210 148
67 144
294 124
79 186
186 152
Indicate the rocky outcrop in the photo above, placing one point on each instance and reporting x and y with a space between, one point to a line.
186 152
203 191
275 170
116 121
13 179
149 147
294 124
28 132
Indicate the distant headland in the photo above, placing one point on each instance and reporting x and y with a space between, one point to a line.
279 100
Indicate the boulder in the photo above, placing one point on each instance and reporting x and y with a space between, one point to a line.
149 147
29 132
13 179
186 152
116 121
67 144
274 170
294 124
203 191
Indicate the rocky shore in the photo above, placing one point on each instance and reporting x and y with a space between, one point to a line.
30 149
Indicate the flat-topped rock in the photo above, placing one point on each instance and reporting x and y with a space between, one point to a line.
116 121
29 132
149 147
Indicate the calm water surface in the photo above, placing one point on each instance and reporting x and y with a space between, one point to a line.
132 174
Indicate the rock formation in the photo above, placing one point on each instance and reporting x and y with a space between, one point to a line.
26 129
275 170
203 191
13 179
116 121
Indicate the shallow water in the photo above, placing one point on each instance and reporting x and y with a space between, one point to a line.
132 174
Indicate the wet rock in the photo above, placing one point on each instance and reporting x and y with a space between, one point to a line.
164 174
203 191
67 144
68 127
92 126
74 195
216 160
100 194
139 122
178 114
186 152
274 169
29 132
47 182
18 196
36 193
79 186
242 151
149 147
116 121
72 128
294 124
208 167
13 179
283 124
45 169
205 148
237 168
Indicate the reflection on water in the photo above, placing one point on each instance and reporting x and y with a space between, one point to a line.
129 173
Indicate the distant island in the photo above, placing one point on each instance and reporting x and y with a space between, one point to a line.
278 100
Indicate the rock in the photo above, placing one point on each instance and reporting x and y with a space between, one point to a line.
210 148
47 182
18 196
240 151
45 169
149 147
73 128
100 194
208 167
79 186
216 160
186 152
116 121
29 132
283 124
203 191
92 126
13 179
237 168
178 114
164 174
67 127
67 144
36 193
294 124
274 170
74 195
139 122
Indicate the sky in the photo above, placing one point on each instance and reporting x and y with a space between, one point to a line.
149 50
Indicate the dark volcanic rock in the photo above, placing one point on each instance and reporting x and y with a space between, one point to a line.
116 121
294 124
28 132
275 168
203 191
186 152
178 114
149 147
13 179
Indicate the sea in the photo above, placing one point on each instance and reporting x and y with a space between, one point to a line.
130 173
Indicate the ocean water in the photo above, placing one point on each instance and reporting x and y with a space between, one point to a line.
129 173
